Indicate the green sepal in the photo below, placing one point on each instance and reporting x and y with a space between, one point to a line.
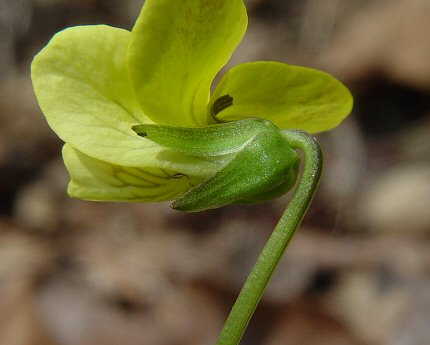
215 140
264 168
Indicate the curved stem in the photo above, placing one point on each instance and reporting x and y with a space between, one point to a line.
272 252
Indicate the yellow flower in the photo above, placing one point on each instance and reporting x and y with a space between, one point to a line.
93 83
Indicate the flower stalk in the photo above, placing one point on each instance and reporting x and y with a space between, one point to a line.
271 254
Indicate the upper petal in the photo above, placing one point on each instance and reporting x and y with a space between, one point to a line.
82 87
289 96
176 49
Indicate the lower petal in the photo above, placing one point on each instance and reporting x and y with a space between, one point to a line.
93 179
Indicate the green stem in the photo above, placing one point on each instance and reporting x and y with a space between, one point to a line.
272 252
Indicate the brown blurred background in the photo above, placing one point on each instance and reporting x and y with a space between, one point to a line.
357 272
